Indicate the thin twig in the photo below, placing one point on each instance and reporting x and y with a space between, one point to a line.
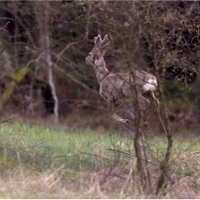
4 26
160 118
128 154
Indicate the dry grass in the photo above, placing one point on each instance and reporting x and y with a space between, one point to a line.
22 182
54 183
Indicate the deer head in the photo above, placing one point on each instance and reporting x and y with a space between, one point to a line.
96 56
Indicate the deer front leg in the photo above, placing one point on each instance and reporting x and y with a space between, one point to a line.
113 108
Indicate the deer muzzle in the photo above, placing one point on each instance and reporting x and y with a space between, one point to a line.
88 60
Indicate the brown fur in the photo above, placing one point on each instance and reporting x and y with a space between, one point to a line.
116 88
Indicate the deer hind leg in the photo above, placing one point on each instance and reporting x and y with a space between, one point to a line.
155 103
143 103
113 108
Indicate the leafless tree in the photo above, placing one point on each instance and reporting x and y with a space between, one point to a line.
45 65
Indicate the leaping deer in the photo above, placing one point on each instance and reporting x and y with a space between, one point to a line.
118 87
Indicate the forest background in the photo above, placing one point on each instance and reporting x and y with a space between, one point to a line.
44 45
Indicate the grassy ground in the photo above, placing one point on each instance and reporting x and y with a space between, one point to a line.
41 162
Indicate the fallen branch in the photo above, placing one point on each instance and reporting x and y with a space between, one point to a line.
6 120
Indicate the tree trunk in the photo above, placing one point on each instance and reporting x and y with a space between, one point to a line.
45 62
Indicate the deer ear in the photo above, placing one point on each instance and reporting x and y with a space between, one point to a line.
105 42
105 39
97 39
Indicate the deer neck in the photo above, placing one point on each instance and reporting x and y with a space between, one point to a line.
100 69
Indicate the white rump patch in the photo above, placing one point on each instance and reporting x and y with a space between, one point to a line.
149 87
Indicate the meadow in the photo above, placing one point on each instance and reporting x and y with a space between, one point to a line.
41 162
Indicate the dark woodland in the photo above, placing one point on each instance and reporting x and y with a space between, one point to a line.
44 45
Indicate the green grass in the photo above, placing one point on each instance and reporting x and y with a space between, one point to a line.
89 147
51 144
42 157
